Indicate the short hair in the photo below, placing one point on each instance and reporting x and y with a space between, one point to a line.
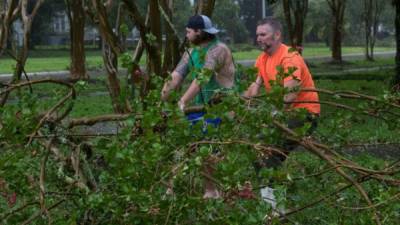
273 22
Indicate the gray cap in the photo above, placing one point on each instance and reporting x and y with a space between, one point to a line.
202 22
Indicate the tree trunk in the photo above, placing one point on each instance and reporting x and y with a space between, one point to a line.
154 53
9 10
171 53
288 18
299 8
337 8
111 64
205 7
111 50
396 78
367 24
105 28
372 12
378 9
27 20
76 16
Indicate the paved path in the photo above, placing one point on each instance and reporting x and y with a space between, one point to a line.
61 75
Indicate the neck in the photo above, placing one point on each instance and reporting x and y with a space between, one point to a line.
204 43
272 49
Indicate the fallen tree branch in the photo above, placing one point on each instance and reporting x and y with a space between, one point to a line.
309 145
90 121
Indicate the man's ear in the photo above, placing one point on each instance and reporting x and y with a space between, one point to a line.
277 35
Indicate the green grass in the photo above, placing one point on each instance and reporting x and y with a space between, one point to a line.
48 60
325 67
54 60
299 194
311 51
359 128
92 106
363 86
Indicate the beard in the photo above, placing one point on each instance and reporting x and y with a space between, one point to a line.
197 39
264 47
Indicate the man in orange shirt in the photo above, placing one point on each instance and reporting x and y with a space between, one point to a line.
275 54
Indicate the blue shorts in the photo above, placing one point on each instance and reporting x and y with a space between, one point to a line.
195 117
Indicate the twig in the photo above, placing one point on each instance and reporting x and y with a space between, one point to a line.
42 194
255 146
22 68
169 213
71 94
39 213
323 198
315 174
392 198
12 212
74 135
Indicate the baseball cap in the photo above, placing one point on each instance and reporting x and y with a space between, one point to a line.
202 22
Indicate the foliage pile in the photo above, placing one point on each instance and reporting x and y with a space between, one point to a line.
151 171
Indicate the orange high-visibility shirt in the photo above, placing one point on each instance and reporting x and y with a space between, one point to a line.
267 70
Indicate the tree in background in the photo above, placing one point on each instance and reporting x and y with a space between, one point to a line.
234 26
172 48
182 10
371 15
205 7
251 12
295 15
8 10
111 49
318 30
337 8
249 15
44 20
154 56
396 79
29 10
76 17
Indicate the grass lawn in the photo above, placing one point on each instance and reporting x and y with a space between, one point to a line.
54 60
312 51
50 60
323 67
359 128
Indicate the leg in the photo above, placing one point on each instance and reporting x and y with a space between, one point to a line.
210 188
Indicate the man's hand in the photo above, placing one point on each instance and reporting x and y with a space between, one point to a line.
170 85
254 88
292 95
164 95
182 105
